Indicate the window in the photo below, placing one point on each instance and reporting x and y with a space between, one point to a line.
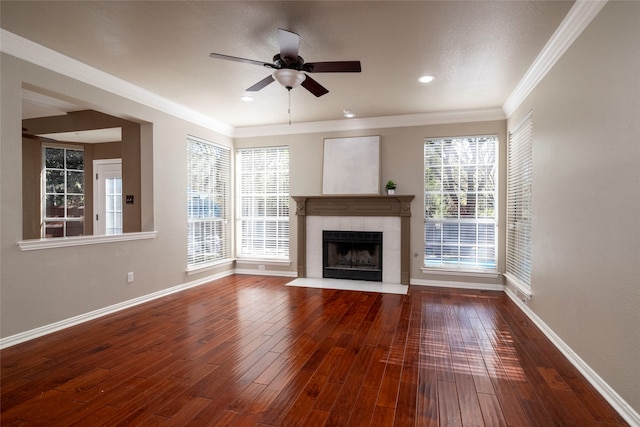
63 191
263 177
208 197
519 203
459 200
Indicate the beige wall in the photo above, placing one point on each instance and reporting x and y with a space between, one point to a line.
39 288
402 159
31 168
586 188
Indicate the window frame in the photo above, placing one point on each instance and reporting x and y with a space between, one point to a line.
274 247
476 249
213 210
44 193
520 204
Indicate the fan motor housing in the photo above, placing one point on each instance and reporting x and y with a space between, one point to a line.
279 63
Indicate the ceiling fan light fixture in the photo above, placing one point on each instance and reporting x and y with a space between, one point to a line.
246 98
289 78
348 113
426 79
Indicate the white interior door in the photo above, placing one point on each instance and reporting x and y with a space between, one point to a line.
107 190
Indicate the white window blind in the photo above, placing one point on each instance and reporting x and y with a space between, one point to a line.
460 200
519 202
62 191
263 226
208 202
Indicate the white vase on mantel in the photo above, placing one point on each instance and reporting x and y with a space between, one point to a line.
391 191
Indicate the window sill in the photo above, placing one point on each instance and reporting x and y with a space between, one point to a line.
63 242
265 261
465 273
518 285
208 266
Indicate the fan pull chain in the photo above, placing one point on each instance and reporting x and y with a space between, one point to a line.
289 109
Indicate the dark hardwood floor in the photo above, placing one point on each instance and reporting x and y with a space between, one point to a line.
249 351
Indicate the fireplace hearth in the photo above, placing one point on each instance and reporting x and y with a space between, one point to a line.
355 255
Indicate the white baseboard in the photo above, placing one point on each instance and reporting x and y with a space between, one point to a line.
460 285
67 323
614 399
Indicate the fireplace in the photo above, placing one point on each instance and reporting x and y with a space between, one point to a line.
355 255
390 215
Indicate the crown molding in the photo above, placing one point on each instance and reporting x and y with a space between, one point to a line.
579 17
32 52
407 120
42 56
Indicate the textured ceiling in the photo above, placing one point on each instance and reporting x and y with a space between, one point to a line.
478 51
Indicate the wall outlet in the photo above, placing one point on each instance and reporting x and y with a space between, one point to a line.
130 277
261 267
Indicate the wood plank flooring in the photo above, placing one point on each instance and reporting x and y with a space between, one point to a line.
250 351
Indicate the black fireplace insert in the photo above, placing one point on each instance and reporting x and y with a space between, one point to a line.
355 255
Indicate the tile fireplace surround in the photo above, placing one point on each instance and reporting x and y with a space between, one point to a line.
366 211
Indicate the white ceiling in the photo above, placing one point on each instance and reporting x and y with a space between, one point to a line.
478 51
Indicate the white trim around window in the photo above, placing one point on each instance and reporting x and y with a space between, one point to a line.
209 184
263 204
520 204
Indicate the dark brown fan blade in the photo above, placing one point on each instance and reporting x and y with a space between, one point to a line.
314 87
333 67
38 138
262 83
289 44
235 58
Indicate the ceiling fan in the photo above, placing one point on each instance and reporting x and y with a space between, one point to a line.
290 68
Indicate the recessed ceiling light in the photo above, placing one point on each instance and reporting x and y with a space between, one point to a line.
246 98
348 113
426 79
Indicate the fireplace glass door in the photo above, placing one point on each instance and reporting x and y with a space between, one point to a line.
355 255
